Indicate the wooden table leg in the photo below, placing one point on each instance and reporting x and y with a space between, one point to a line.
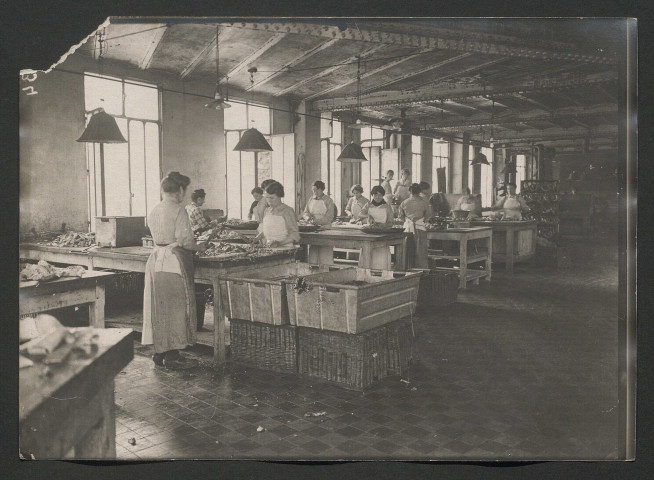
321 254
365 257
100 441
219 353
509 250
401 250
96 309
463 261
489 261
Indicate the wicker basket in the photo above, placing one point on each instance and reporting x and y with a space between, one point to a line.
400 349
350 361
269 347
125 284
438 288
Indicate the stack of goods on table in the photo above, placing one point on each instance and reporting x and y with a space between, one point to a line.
58 239
542 197
307 225
43 272
237 224
348 326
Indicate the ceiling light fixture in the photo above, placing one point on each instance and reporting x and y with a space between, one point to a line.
359 124
353 153
218 103
252 139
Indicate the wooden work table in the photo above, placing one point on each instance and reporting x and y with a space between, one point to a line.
36 297
374 247
466 257
133 259
71 405
513 240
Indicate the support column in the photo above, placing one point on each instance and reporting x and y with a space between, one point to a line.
307 154
426 162
405 152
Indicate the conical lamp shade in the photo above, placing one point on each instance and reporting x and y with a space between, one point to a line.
218 103
352 153
253 140
102 128
480 158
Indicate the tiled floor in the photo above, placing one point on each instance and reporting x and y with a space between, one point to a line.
523 368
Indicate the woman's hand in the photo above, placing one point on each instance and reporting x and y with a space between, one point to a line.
274 244
371 221
202 247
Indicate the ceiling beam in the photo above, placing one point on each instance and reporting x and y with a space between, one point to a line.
571 113
146 61
329 70
413 73
526 99
296 61
209 49
558 133
369 73
473 68
436 94
461 43
253 57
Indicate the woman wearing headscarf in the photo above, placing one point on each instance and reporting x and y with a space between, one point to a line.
169 309
378 211
320 209
414 211
356 203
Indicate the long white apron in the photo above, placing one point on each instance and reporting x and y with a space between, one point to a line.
379 214
512 209
317 208
274 228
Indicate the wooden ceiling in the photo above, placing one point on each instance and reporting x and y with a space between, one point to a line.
516 81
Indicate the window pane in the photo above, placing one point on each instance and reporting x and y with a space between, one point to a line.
248 182
137 167
90 165
141 102
289 170
416 161
375 173
233 173
325 127
521 161
259 118
377 133
365 170
117 174
337 130
152 168
105 92
235 117
337 188
416 144
366 133
324 162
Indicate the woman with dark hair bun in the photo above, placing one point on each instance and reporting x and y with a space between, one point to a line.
414 212
320 209
378 211
198 223
258 211
278 227
169 310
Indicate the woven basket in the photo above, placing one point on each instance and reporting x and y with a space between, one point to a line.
352 361
400 341
125 284
438 288
265 346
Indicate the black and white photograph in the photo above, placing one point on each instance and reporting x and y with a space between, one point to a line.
330 239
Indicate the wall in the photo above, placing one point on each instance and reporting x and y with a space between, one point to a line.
53 181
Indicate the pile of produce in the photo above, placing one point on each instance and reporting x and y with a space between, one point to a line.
224 235
43 271
228 250
305 222
73 239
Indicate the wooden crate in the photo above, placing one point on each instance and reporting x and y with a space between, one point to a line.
400 345
119 231
260 295
335 303
268 347
438 288
351 361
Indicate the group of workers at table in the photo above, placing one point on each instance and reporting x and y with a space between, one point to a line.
169 309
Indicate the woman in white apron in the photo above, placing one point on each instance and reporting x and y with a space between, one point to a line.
356 203
467 203
512 204
378 211
414 211
386 185
401 192
320 209
169 309
279 225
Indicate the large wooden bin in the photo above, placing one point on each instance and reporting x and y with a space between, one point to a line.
268 347
354 300
350 361
260 295
119 231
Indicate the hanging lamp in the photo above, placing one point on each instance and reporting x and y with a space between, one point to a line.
353 153
252 139
218 103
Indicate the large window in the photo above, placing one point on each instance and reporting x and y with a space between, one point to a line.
520 167
243 172
132 170
331 138
416 159
486 189
440 159
372 142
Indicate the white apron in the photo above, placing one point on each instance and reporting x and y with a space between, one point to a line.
379 214
402 192
356 209
274 228
410 226
512 209
317 208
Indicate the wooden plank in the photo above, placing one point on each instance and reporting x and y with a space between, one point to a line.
42 303
99 443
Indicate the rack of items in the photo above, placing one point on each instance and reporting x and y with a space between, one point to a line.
543 198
